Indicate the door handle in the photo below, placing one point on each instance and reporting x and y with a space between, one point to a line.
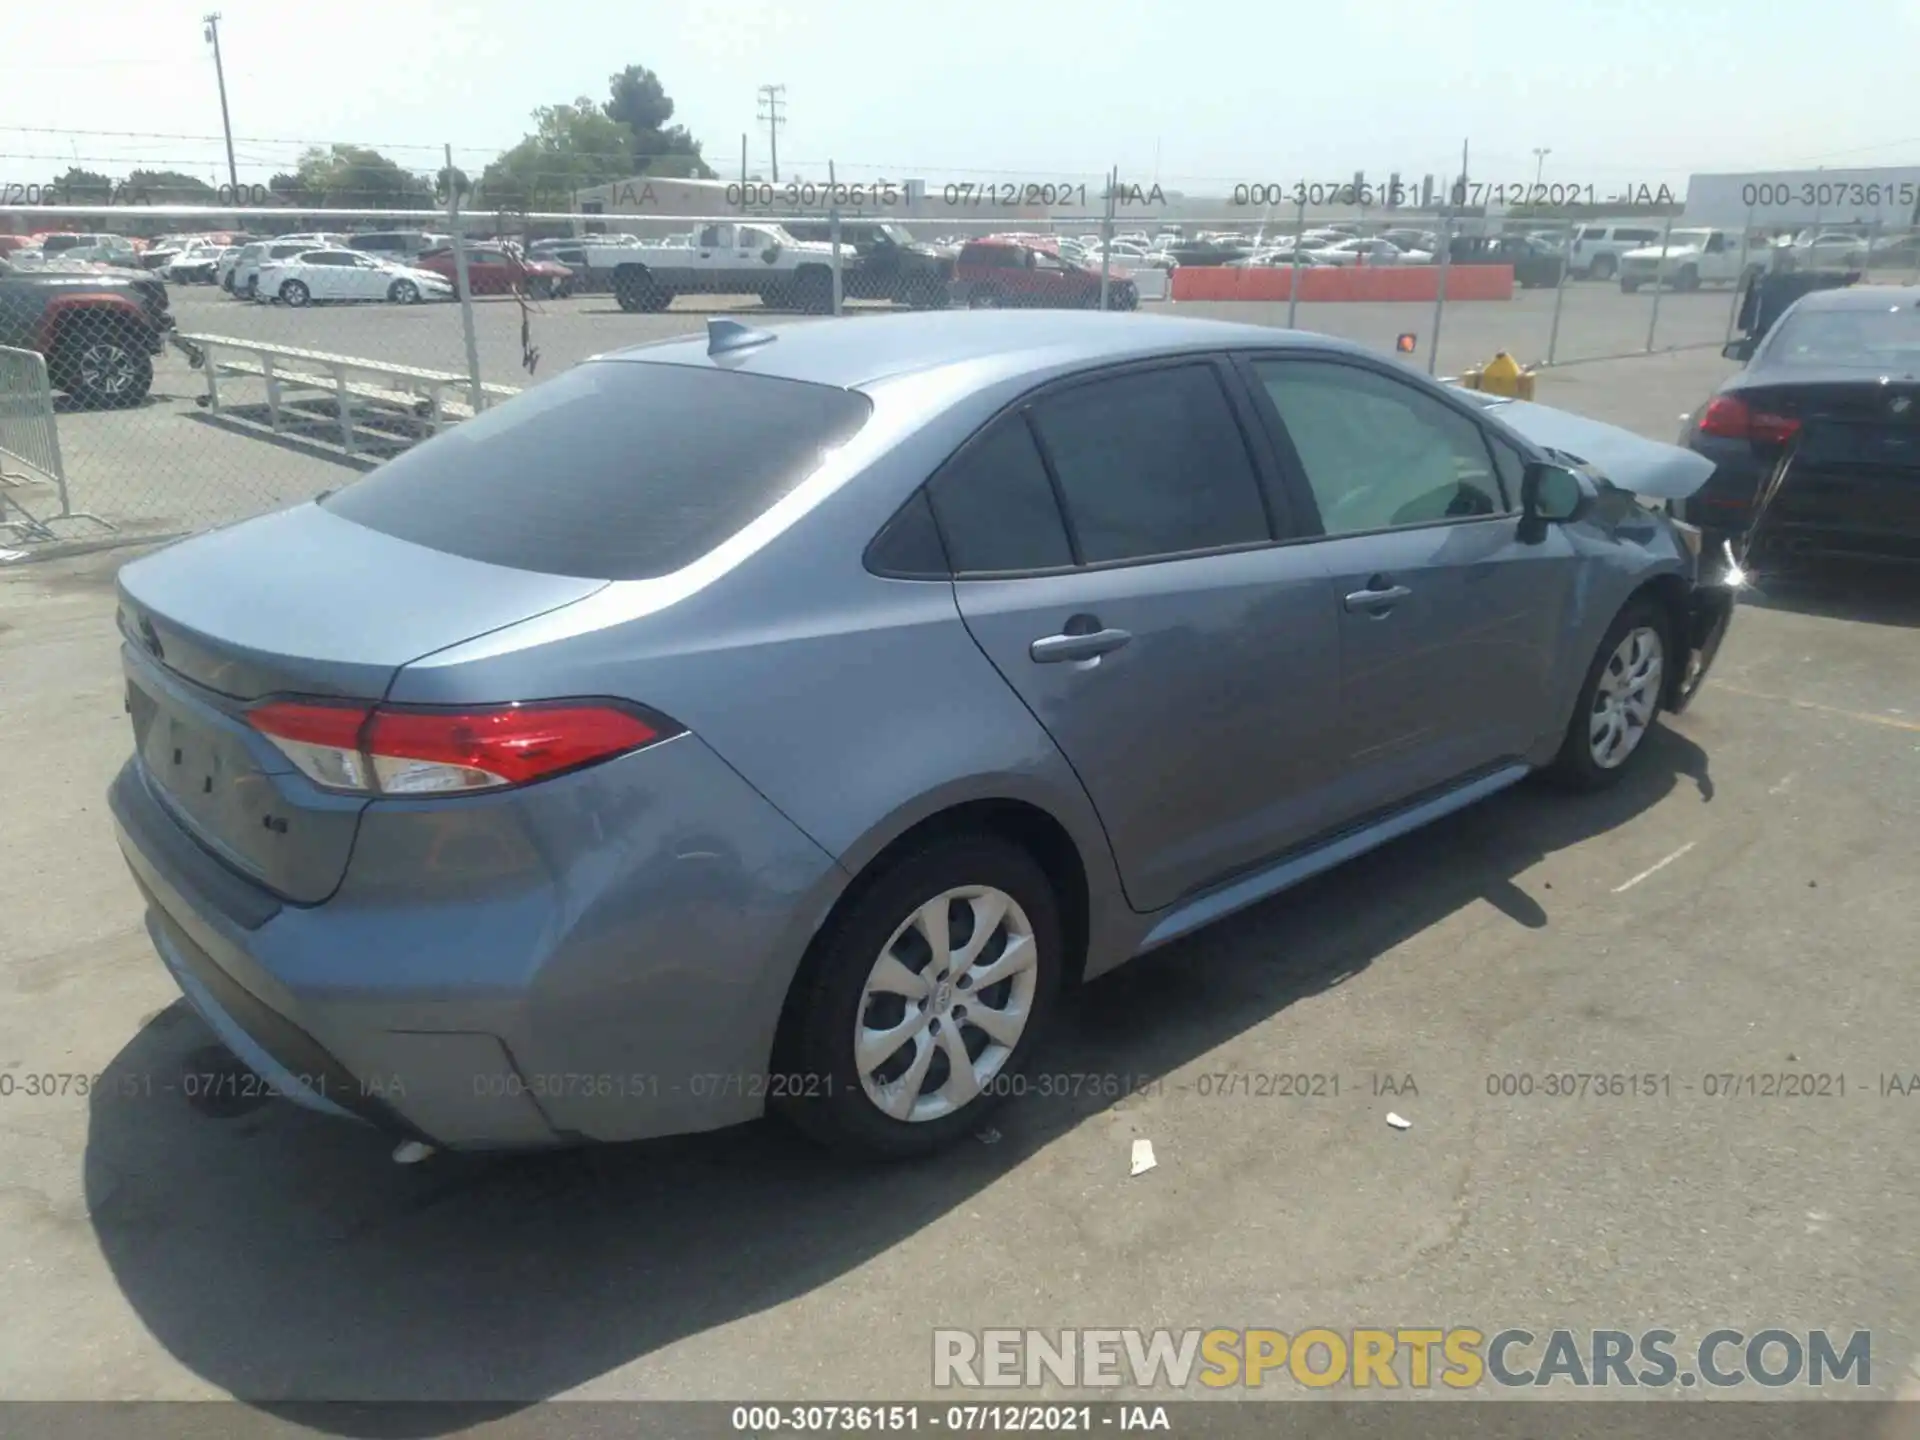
1375 599
1052 649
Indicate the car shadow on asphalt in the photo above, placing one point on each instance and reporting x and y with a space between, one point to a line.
283 1258
1874 594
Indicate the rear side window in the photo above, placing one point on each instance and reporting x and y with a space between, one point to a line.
1638 237
996 507
1151 464
615 470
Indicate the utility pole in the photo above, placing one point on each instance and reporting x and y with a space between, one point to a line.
743 157
226 122
1540 163
773 99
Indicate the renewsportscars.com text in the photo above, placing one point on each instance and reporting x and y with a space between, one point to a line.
1416 1358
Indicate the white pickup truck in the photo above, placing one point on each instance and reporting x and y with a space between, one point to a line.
722 259
1690 259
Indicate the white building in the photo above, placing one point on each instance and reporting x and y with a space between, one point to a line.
1887 197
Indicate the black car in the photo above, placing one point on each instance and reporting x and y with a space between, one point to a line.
1816 443
1535 265
887 262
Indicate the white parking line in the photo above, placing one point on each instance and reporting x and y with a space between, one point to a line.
1655 869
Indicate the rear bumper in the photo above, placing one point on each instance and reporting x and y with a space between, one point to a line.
603 957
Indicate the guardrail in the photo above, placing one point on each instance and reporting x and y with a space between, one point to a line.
30 447
350 379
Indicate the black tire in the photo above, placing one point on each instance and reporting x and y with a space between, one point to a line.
1575 766
1629 287
540 287
1123 297
404 292
1687 279
253 287
1603 267
812 291
101 366
827 1099
293 293
984 298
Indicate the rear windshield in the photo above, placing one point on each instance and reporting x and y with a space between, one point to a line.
616 470
1866 339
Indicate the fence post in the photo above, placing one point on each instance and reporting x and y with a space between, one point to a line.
1739 280
1106 236
1440 296
1659 281
833 231
475 395
1293 275
1560 290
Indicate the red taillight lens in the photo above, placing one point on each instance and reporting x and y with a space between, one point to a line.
1726 417
1732 418
399 751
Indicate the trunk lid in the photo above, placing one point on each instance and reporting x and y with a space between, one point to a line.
298 602
1855 463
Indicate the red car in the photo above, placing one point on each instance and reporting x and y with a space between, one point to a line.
1005 270
496 270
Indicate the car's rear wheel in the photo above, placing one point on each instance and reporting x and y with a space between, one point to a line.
1619 700
1603 267
295 294
540 287
923 999
105 367
635 289
404 292
1687 279
984 300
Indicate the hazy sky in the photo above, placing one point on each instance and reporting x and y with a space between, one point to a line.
1209 95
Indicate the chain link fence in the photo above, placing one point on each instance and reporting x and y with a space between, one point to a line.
198 366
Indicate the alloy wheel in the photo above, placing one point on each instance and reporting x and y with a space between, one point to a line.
1626 697
945 1003
106 369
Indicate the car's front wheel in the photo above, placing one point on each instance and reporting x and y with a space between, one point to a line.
1602 268
923 999
404 292
295 294
105 367
1619 700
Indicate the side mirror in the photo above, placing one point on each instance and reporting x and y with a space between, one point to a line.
1741 350
1550 495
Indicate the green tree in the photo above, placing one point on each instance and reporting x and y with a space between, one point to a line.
84 184
353 176
451 180
639 101
170 187
572 147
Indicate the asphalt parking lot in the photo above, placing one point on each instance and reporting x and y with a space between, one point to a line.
172 466
1741 907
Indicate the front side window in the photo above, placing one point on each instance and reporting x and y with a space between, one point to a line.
1378 454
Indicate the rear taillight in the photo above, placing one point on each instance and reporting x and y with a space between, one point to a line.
1732 418
402 750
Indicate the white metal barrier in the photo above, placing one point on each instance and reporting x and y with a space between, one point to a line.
351 380
30 447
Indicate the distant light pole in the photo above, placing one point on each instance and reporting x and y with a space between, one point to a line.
212 23
1540 163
